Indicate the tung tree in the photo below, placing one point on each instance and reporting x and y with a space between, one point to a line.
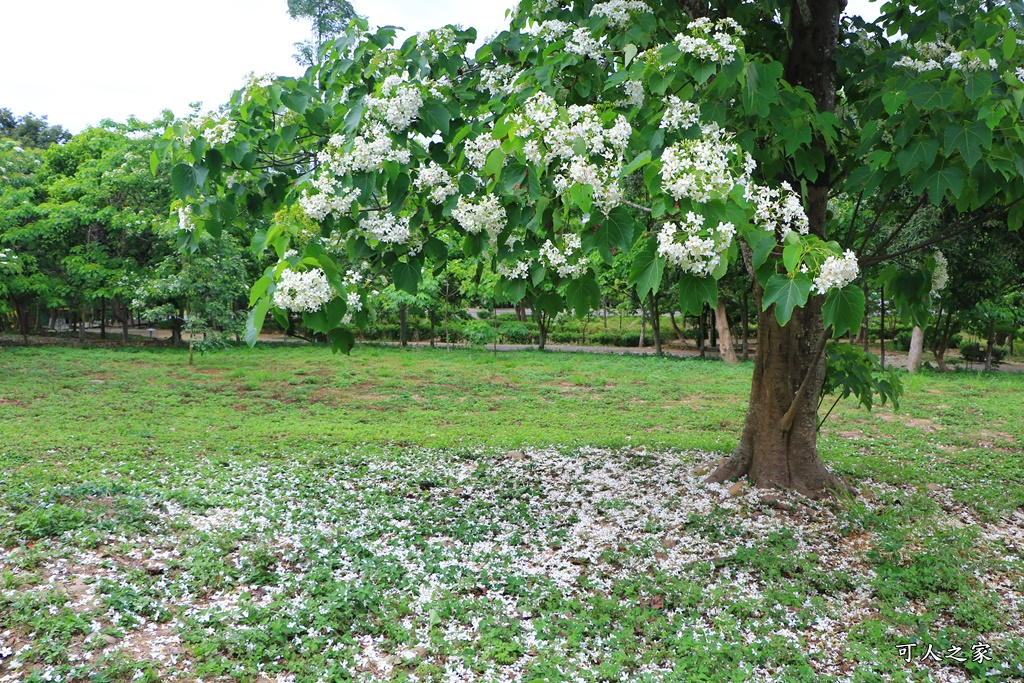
739 120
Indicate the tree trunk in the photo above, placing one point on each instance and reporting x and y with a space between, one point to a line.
991 343
542 330
725 349
81 326
916 349
675 328
701 333
881 328
103 317
655 324
943 343
403 324
778 446
746 328
788 363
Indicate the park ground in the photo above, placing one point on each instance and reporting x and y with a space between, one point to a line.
281 514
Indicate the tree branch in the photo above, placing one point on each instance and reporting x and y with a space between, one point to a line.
787 419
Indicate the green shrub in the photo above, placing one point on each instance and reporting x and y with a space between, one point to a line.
976 353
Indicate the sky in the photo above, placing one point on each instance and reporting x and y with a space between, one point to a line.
80 62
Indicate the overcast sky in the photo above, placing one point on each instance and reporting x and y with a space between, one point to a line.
80 61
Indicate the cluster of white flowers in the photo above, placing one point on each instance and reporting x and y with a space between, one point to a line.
185 219
635 93
355 304
367 151
711 41
519 270
551 30
477 149
399 103
583 43
486 215
220 133
679 114
618 11
254 82
836 272
562 259
500 79
437 182
607 192
939 55
7 257
438 41
1019 73
702 169
692 247
940 276
302 291
387 227
328 201
553 138
778 209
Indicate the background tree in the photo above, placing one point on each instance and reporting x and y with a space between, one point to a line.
328 18
30 130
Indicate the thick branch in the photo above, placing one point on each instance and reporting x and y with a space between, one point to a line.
787 419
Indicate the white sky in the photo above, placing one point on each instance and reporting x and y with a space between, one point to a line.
79 61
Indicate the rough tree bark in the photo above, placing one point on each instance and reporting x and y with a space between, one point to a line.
916 349
778 446
725 348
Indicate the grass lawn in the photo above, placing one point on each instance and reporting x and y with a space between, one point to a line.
281 514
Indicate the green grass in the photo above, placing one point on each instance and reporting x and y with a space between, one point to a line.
284 512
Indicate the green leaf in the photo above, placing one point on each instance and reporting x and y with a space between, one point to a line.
495 160
647 270
436 116
919 153
254 323
551 303
945 179
786 294
791 254
695 291
342 340
407 275
968 141
630 53
639 162
295 101
316 321
1015 217
763 249
844 309
621 227
583 295
259 289
978 84
931 95
187 179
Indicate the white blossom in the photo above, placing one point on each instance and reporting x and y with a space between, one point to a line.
387 227
486 215
399 104
618 11
778 209
185 219
562 260
302 291
692 247
437 182
700 169
836 272
679 114
634 93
